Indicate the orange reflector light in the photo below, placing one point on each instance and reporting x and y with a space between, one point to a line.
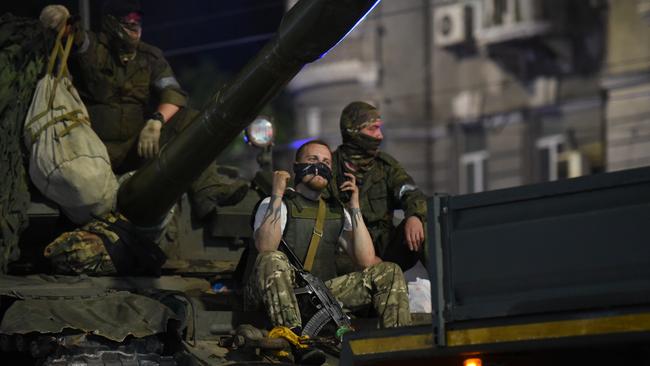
472 362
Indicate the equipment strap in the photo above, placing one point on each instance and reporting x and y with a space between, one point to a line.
316 235
59 53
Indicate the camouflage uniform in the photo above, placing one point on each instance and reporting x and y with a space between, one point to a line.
24 46
273 278
382 286
82 250
117 94
104 247
384 186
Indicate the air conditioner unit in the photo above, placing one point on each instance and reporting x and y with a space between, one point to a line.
451 24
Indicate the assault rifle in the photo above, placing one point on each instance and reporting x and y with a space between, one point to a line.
327 308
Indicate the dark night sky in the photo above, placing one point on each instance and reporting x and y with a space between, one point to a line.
205 41
228 32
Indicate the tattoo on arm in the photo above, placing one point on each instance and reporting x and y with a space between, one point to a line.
356 217
272 213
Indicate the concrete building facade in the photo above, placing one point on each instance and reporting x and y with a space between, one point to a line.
626 82
487 94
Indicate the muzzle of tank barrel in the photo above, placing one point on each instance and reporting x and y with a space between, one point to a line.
307 32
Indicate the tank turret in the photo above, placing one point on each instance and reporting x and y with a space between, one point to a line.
181 317
307 32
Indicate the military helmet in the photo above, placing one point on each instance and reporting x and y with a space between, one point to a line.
121 8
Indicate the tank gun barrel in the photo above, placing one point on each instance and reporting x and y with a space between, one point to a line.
306 33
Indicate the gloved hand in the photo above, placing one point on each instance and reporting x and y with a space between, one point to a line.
149 138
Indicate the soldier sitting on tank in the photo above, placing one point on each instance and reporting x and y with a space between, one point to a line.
291 215
118 76
384 186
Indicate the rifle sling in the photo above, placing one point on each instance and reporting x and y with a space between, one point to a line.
316 235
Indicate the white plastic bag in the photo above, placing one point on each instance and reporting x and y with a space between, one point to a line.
420 295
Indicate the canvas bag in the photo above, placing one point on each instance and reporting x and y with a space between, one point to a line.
68 162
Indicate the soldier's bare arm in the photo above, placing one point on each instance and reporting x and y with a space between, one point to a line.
359 243
168 110
268 235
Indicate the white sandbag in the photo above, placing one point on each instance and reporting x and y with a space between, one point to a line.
68 162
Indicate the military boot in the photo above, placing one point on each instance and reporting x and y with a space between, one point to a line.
309 356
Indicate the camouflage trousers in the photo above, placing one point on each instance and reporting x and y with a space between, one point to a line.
82 251
104 247
273 279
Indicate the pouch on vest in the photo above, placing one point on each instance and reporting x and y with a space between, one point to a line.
68 163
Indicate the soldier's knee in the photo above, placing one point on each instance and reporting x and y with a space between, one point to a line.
387 273
390 267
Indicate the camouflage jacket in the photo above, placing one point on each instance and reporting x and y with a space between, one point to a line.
387 188
119 96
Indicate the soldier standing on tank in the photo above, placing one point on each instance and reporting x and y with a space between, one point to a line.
120 78
291 215
383 184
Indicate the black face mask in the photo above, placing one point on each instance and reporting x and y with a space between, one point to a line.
121 42
302 169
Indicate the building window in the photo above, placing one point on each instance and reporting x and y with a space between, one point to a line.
473 171
473 160
313 121
549 149
507 12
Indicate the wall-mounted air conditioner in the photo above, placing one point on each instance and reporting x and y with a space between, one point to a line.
452 24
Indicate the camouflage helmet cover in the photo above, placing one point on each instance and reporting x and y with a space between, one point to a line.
356 116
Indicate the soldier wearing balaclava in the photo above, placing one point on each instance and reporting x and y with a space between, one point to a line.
384 186
127 85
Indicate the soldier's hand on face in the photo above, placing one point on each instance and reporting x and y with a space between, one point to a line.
350 185
148 143
280 180
414 233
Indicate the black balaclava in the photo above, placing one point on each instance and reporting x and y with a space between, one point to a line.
115 26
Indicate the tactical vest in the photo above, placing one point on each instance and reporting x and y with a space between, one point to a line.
116 96
301 218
